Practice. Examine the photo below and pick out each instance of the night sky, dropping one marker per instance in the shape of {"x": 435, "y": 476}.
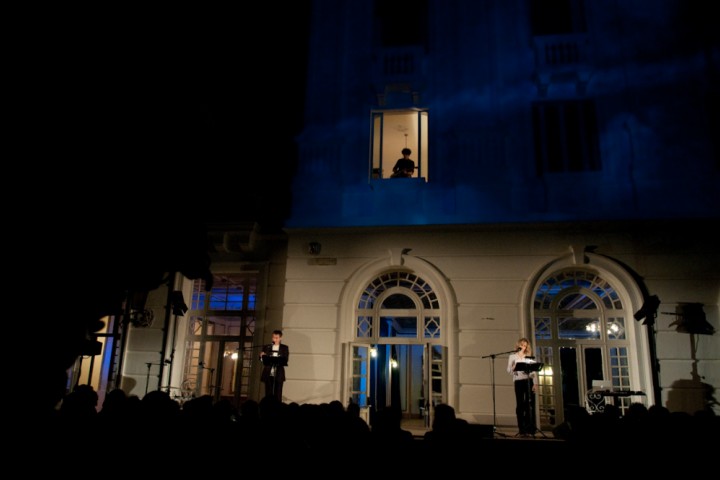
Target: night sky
{"x": 144, "y": 127}
{"x": 148, "y": 106}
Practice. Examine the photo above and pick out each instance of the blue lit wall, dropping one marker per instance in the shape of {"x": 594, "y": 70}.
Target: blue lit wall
{"x": 651, "y": 70}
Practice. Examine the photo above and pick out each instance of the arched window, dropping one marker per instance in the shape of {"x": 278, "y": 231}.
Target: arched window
{"x": 580, "y": 328}
{"x": 398, "y": 304}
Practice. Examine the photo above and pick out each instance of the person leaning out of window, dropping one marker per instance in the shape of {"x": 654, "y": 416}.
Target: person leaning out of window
{"x": 405, "y": 166}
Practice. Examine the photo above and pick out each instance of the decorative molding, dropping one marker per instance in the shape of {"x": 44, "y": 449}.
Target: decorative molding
{"x": 397, "y": 254}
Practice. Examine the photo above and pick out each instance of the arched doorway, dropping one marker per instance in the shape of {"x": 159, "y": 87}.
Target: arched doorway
{"x": 585, "y": 336}
{"x": 398, "y": 356}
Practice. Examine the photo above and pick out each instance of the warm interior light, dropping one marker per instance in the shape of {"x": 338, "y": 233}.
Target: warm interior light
{"x": 231, "y": 354}
{"x": 591, "y": 327}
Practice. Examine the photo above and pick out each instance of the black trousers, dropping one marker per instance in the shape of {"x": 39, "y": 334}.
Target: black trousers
{"x": 273, "y": 388}
{"x": 525, "y": 406}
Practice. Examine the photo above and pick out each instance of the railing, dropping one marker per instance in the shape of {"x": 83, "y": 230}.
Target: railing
{"x": 557, "y": 51}
{"x": 398, "y": 63}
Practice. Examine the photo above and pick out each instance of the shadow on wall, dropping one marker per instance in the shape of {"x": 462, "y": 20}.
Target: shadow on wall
{"x": 691, "y": 396}
{"x": 129, "y": 384}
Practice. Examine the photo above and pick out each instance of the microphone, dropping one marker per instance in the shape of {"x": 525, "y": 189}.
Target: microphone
{"x": 518, "y": 349}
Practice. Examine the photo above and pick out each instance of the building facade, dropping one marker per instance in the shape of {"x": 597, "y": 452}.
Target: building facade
{"x": 564, "y": 190}
{"x": 556, "y": 191}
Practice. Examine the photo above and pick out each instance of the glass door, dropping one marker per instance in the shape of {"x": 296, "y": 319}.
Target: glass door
{"x": 360, "y": 361}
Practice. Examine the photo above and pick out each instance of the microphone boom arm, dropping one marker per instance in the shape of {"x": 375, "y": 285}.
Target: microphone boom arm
{"x": 493, "y": 355}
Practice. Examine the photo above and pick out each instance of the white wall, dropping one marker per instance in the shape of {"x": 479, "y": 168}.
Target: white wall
{"x": 489, "y": 269}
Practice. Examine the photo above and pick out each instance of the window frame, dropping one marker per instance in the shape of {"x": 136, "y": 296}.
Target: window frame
{"x": 410, "y": 132}
{"x": 566, "y": 136}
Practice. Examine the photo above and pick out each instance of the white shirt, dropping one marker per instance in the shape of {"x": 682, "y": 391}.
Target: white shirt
{"x": 515, "y": 358}
{"x": 275, "y": 353}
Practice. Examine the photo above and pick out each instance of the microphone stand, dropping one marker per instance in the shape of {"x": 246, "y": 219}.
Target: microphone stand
{"x": 268, "y": 364}
{"x": 492, "y": 376}
{"x": 210, "y": 384}
{"x": 147, "y": 377}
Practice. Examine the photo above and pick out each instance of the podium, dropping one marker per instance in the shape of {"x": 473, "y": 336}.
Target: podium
{"x": 528, "y": 368}
{"x": 272, "y": 362}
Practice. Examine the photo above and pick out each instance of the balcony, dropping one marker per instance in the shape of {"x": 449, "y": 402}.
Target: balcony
{"x": 562, "y": 58}
{"x": 398, "y": 69}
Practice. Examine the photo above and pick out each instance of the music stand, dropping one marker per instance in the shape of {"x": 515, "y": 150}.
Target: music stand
{"x": 492, "y": 376}
{"x": 274, "y": 362}
{"x": 528, "y": 368}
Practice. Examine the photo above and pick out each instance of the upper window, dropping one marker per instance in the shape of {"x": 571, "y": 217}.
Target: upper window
{"x": 400, "y": 23}
{"x": 229, "y": 292}
{"x": 566, "y": 137}
{"x": 394, "y": 132}
{"x": 227, "y": 309}
{"x": 557, "y": 17}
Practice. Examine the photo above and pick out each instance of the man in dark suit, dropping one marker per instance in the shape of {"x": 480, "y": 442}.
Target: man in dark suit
{"x": 274, "y": 375}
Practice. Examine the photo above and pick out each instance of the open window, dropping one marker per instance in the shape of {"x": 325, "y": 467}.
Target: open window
{"x": 566, "y": 137}
{"x": 393, "y": 131}
{"x": 557, "y": 17}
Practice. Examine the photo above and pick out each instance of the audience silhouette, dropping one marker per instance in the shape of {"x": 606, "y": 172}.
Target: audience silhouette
{"x": 257, "y": 427}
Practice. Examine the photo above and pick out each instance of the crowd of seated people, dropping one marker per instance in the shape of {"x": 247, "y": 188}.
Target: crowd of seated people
{"x": 269, "y": 424}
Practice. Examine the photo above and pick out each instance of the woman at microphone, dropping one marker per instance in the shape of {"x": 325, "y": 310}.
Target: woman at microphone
{"x": 273, "y": 374}
{"x": 525, "y": 387}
